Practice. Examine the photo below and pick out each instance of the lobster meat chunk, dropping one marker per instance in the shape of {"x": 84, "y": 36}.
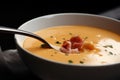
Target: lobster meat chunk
{"x": 73, "y": 45}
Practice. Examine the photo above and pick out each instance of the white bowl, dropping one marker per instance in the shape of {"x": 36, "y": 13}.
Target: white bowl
{"x": 52, "y": 70}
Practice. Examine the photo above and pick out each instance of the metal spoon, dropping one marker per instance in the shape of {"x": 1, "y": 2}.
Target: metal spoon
{"x": 26, "y": 33}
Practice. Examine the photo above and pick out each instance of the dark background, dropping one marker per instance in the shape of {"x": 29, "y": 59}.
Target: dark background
{"x": 13, "y": 14}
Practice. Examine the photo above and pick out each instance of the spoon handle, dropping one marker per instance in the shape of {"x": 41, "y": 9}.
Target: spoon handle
{"x": 21, "y": 32}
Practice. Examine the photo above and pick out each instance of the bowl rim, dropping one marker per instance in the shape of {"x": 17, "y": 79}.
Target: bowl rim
{"x": 59, "y": 14}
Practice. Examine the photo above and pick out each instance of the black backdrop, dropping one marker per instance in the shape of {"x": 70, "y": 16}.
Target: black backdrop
{"x": 15, "y": 13}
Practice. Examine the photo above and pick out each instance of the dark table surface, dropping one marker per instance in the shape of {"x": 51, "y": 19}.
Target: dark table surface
{"x": 15, "y": 14}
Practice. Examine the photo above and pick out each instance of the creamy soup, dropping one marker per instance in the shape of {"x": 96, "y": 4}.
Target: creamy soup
{"x": 106, "y": 45}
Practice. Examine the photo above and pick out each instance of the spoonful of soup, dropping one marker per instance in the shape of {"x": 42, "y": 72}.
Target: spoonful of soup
{"x": 30, "y": 34}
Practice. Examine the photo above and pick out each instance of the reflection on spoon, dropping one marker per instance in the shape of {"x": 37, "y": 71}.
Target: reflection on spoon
{"x": 26, "y": 33}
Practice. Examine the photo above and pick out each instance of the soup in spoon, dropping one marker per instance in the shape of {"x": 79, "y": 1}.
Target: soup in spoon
{"x": 84, "y": 45}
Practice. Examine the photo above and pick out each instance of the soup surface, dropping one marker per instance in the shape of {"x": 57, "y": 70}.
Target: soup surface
{"x": 106, "y": 45}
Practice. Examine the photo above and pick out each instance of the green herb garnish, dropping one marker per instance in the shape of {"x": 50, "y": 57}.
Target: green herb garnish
{"x": 81, "y": 62}
{"x": 106, "y": 46}
{"x": 105, "y": 50}
{"x": 70, "y": 61}
{"x": 63, "y": 38}
{"x": 55, "y": 52}
{"x": 51, "y": 55}
{"x": 70, "y": 33}
{"x": 85, "y": 38}
{"x": 110, "y": 53}
{"x": 57, "y": 42}
{"x": 51, "y": 36}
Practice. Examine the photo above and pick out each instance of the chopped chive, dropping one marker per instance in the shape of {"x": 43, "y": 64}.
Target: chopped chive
{"x": 70, "y": 61}
{"x": 51, "y": 55}
{"x": 110, "y": 53}
{"x": 51, "y": 36}
{"x": 106, "y": 46}
{"x": 81, "y": 62}
{"x": 57, "y": 42}
{"x": 70, "y": 33}
{"x": 63, "y": 38}
{"x": 105, "y": 50}
{"x": 85, "y": 38}
{"x": 55, "y": 52}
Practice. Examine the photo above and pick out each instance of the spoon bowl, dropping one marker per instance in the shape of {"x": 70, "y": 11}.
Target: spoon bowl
{"x": 26, "y": 33}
